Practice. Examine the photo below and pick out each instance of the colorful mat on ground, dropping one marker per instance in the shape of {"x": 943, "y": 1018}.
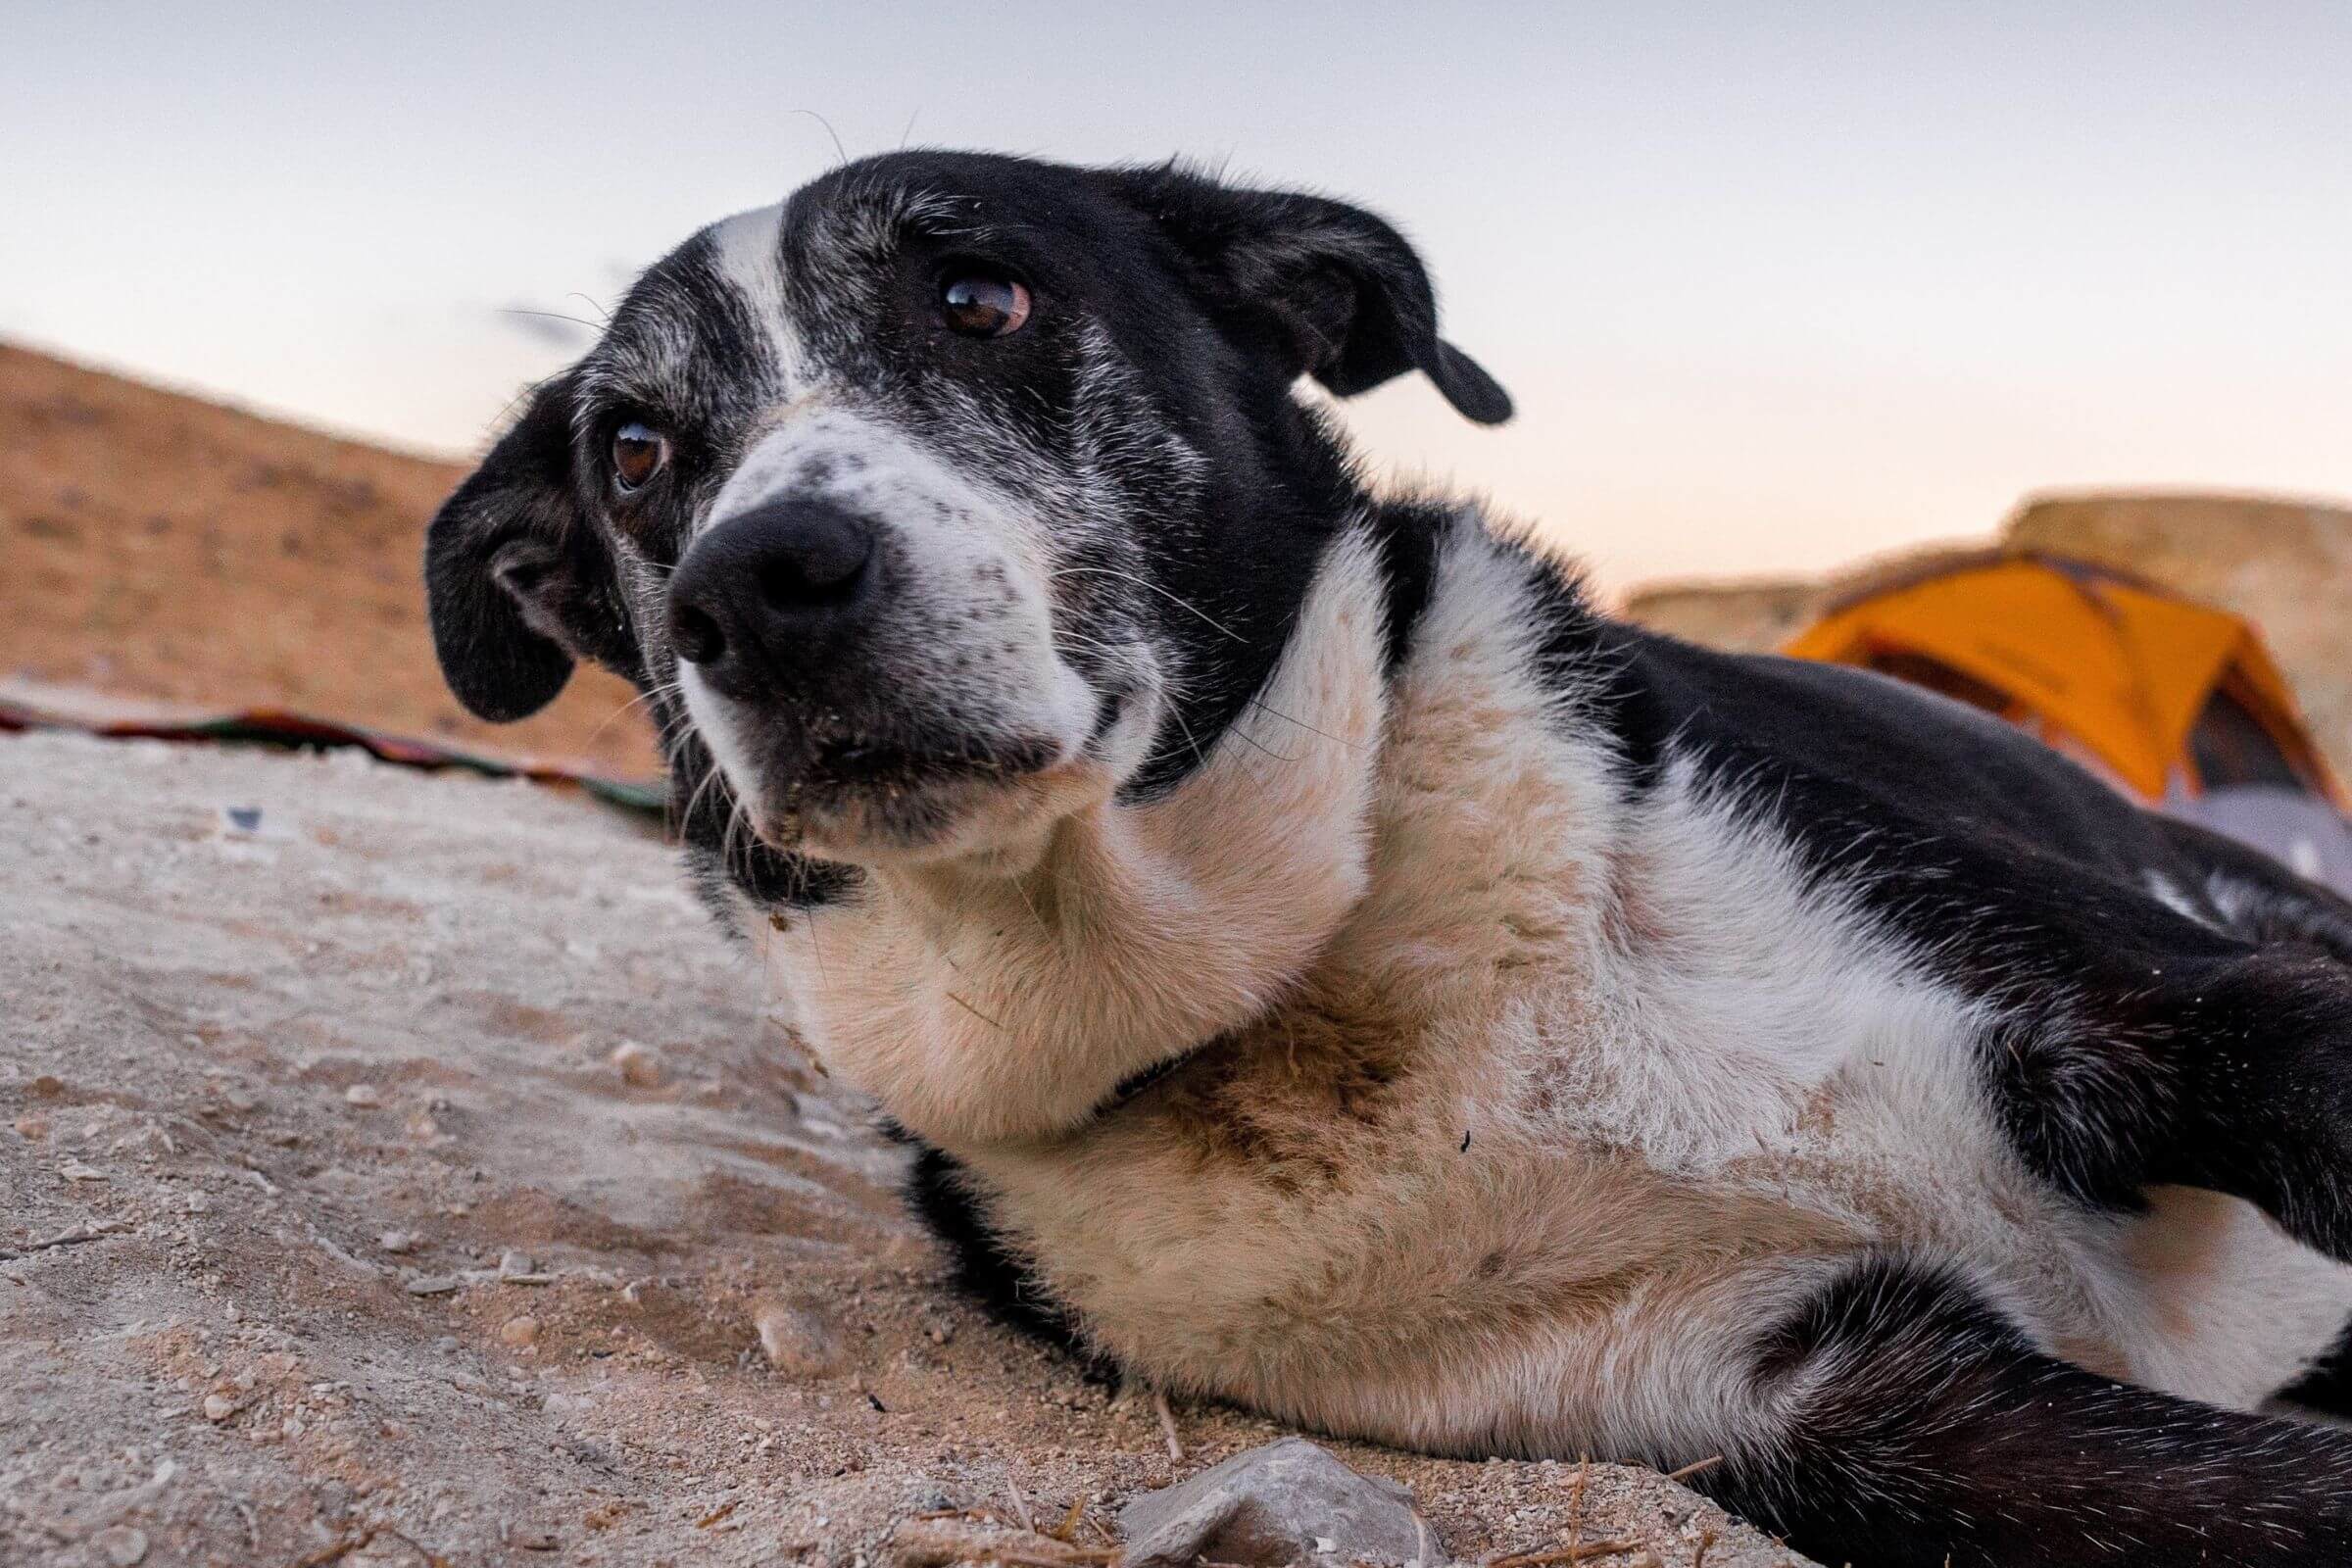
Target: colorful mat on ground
{"x": 278, "y": 726}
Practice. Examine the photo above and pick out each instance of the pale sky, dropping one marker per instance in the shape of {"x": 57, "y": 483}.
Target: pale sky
{"x": 1774, "y": 284}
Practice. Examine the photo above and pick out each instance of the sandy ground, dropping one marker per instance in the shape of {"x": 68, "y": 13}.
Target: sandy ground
{"x": 280, "y": 1094}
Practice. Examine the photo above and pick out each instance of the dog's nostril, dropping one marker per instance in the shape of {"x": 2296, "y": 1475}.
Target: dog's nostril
{"x": 695, "y": 636}
{"x": 821, "y": 563}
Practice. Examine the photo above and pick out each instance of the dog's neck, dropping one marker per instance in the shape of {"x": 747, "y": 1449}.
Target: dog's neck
{"x": 983, "y": 1005}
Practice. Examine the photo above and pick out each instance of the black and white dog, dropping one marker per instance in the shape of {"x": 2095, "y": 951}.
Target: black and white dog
{"x": 1329, "y": 966}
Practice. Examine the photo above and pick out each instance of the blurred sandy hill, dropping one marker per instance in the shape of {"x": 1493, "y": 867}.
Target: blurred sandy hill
{"x": 2284, "y": 564}
{"x": 162, "y": 548}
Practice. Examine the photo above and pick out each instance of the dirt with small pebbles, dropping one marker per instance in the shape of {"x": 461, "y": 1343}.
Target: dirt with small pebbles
{"x": 509, "y": 1308}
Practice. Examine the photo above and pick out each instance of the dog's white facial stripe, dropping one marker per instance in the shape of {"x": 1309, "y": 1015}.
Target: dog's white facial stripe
{"x": 748, "y": 252}
{"x": 720, "y": 296}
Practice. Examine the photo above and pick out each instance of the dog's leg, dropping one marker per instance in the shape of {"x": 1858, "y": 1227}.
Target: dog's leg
{"x": 2268, "y": 1108}
{"x": 2138, "y": 1042}
{"x": 2230, "y": 1072}
{"x": 2327, "y": 1389}
{"x": 1918, "y": 1427}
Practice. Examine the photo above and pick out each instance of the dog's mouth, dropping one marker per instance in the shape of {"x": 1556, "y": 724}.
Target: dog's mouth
{"x": 875, "y": 798}
{"x": 848, "y": 766}
{"x": 865, "y": 798}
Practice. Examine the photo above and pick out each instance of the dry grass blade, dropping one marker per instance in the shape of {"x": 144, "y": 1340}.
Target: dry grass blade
{"x": 1576, "y": 1498}
{"x": 1167, "y": 1425}
{"x": 935, "y": 1543}
{"x": 337, "y": 1550}
{"x": 1690, "y": 1470}
{"x": 342, "y": 1546}
{"x": 1583, "y": 1553}
{"x": 1020, "y": 1504}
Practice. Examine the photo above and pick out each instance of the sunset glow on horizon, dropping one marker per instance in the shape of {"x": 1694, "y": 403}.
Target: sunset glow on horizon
{"x": 1770, "y": 291}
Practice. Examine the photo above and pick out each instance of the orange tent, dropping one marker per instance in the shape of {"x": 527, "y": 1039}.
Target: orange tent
{"x": 2167, "y": 696}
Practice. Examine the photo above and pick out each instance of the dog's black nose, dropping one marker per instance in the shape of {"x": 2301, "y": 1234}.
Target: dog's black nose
{"x": 772, "y": 586}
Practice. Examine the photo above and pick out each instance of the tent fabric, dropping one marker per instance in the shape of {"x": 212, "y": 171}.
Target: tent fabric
{"x": 2298, "y": 831}
{"x": 2080, "y": 654}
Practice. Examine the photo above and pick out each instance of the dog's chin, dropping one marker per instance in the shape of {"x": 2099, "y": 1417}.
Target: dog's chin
{"x": 993, "y": 822}
{"x": 988, "y": 805}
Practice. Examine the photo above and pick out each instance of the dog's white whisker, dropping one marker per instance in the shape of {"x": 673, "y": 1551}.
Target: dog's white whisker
{"x": 652, "y": 694}
{"x": 1148, "y": 586}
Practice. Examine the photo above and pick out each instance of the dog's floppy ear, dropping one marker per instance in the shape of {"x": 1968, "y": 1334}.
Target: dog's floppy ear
{"x": 1333, "y": 288}
{"x": 517, "y": 581}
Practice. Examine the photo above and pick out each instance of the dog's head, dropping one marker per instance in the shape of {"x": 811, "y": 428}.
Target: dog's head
{"x": 952, "y": 486}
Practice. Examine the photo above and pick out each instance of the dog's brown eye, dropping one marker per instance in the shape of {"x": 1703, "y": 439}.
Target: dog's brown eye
{"x": 982, "y": 304}
{"x": 639, "y": 452}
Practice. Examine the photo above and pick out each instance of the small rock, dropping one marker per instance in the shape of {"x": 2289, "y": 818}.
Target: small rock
{"x": 48, "y": 1086}
{"x": 520, "y": 1332}
{"x": 1274, "y": 1505}
{"x": 796, "y": 1340}
{"x": 123, "y": 1545}
{"x": 145, "y": 1142}
{"x": 533, "y": 1540}
{"x": 432, "y": 1284}
{"x": 639, "y": 1068}
{"x": 397, "y": 1243}
{"x": 363, "y": 1096}
{"x": 218, "y": 1407}
{"x": 512, "y": 1262}
{"x": 74, "y": 1171}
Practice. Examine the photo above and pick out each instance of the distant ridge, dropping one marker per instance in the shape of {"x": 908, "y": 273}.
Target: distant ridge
{"x": 158, "y": 546}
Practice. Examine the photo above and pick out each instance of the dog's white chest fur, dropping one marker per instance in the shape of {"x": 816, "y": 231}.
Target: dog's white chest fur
{"x": 1569, "y": 1095}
